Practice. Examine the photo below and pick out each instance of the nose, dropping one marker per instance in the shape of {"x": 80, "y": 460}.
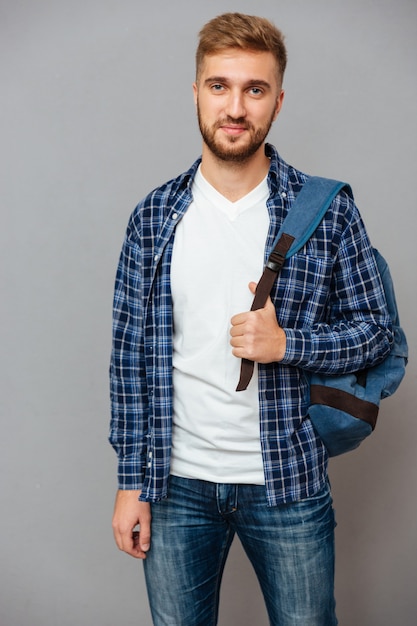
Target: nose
{"x": 235, "y": 106}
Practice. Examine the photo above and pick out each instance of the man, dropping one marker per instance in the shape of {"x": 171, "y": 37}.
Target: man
{"x": 198, "y": 461}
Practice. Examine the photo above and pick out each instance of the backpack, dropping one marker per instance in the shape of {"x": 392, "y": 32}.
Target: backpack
{"x": 343, "y": 408}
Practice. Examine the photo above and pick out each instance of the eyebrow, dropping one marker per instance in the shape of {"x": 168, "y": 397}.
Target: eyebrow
{"x": 250, "y": 83}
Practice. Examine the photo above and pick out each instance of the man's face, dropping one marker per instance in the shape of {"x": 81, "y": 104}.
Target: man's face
{"x": 238, "y": 95}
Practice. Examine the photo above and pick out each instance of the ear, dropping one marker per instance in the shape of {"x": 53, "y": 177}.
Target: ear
{"x": 195, "y": 92}
{"x": 278, "y": 104}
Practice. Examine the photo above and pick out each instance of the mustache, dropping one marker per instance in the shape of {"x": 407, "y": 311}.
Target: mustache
{"x": 237, "y": 121}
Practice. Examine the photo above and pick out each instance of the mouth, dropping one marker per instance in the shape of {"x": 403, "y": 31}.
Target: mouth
{"x": 233, "y": 129}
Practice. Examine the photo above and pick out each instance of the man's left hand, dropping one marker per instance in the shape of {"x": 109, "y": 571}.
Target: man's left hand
{"x": 256, "y": 335}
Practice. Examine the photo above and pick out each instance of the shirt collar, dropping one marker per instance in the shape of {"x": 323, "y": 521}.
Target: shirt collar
{"x": 277, "y": 176}
{"x": 278, "y": 171}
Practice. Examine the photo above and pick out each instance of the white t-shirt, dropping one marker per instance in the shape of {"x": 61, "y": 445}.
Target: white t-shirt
{"x": 218, "y": 249}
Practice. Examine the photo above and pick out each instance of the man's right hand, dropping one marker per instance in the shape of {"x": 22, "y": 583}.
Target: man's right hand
{"x": 128, "y": 513}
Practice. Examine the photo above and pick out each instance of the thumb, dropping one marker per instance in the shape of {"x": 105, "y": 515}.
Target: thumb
{"x": 268, "y": 304}
{"x": 144, "y": 518}
{"x": 145, "y": 535}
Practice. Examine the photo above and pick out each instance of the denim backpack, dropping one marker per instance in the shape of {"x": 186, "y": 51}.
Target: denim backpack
{"x": 343, "y": 408}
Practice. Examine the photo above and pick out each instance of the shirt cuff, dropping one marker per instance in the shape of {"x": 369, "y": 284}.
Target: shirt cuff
{"x": 130, "y": 473}
{"x": 298, "y": 347}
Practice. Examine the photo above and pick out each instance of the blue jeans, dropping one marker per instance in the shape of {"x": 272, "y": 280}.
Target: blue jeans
{"x": 291, "y": 548}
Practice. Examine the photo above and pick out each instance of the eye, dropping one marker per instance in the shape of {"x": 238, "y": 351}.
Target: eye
{"x": 255, "y": 91}
{"x": 216, "y": 87}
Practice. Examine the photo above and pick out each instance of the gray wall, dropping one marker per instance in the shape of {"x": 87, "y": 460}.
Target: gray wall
{"x": 96, "y": 109}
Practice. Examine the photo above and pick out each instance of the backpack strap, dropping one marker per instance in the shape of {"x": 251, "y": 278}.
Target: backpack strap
{"x": 304, "y": 216}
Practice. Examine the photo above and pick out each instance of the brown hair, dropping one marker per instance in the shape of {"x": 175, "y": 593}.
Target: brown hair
{"x": 247, "y": 32}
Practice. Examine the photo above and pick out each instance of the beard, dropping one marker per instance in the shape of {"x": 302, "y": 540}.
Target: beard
{"x": 231, "y": 151}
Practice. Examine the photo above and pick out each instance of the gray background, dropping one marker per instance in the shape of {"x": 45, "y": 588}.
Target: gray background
{"x": 96, "y": 109}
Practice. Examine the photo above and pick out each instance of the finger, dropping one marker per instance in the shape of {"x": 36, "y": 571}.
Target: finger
{"x": 145, "y": 535}
{"x": 238, "y": 319}
{"x": 237, "y": 342}
{"x": 126, "y": 540}
{"x": 137, "y": 548}
{"x": 239, "y": 353}
{"x": 117, "y": 538}
{"x": 269, "y": 305}
{"x": 237, "y": 331}
{"x": 131, "y": 544}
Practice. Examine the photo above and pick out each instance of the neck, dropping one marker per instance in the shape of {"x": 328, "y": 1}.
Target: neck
{"x": 234, "y": 180}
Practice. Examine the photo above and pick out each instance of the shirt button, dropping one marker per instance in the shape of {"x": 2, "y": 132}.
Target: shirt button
{"x": 284, "y": 195}
{"x": 174, "y": 216}
{"x": 156, "y": 257}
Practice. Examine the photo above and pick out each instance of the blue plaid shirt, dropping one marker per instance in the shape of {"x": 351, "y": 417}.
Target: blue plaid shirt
{"x": 328, "y": 298}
